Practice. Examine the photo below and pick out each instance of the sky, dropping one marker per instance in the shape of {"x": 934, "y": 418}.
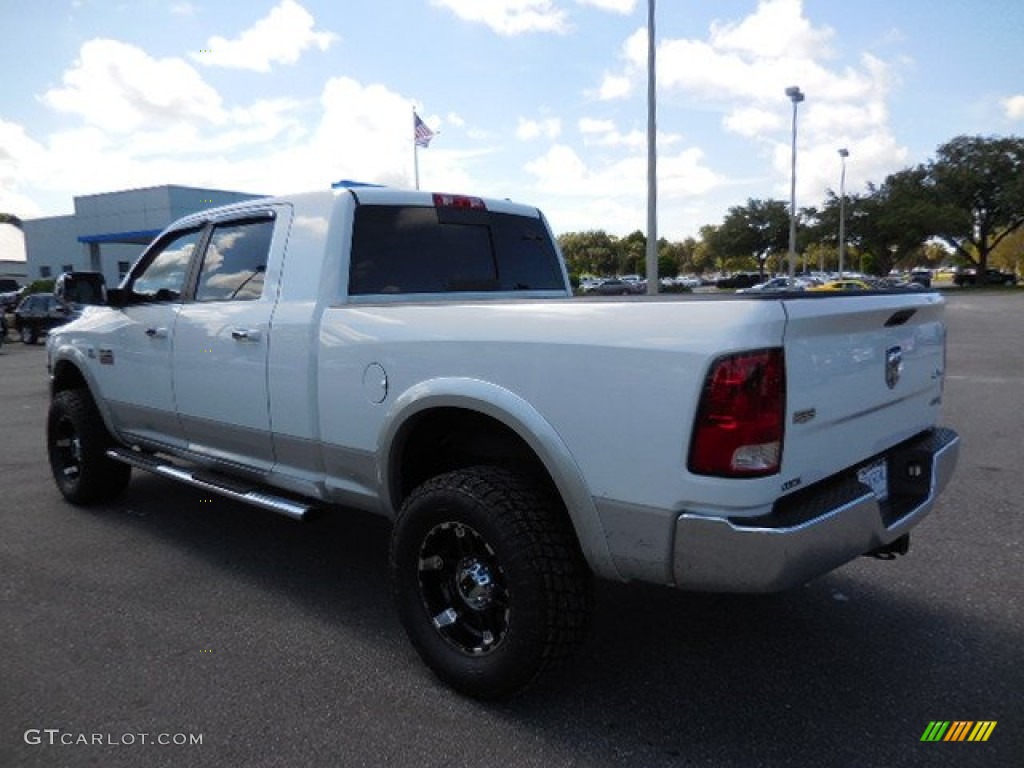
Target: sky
{"x": 540, "y": 101}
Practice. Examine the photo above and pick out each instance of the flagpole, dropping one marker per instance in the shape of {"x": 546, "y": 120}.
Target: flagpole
{"x": 415, "y": 150}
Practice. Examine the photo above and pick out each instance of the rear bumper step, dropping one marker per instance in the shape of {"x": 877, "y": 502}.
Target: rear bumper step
{"x": 230, "y": 487}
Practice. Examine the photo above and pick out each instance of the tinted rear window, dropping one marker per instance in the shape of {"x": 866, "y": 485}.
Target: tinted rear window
{"x": 404, "y": 249}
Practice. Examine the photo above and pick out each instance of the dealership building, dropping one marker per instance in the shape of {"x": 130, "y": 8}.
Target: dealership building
{"x": 108, "y": 232}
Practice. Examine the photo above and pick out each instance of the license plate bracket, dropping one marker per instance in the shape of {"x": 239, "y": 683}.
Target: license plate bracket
{"x": 876, "y": 476}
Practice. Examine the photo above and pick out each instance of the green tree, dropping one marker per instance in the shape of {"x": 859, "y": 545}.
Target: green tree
{"x": 1009, "y": 253}
{"x": 705, "y": 258}
{"x": 633, "y": 253}
{"x": 884, "y": 226}
{"x": 754, "y": 231}
{"x": 976, "y": 185}
{"x": 10, "y": 218}
{"x": 593, "y": 252}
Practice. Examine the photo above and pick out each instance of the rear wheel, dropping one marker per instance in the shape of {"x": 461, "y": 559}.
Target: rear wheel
{"x": 77, "y": 443}
{"x": 489, "y": 581}
{"x": 28, "y": 335}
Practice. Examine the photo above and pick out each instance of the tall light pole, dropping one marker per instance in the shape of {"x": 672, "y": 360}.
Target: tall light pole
{"x": 796, "y": 96}
{"x": 843, "y": 154}
{"x": 652, "y": 158}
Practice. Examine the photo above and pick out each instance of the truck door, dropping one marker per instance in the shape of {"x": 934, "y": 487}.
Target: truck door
{"x": 135, "y": 370}
{"x": 222, "y": 339}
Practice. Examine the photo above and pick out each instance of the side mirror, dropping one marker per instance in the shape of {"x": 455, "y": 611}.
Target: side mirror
{"x": 117, "y": 298}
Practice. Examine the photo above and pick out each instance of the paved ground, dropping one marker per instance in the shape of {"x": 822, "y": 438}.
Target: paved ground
{"x": 276, "y": 642}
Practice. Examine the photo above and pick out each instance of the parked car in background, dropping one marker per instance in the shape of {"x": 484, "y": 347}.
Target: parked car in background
{"x": 843, "y": 286}
{"x": 739, "y": 280}
{"x": 777, "y": 284}
{"x": 991, "y": 277}
{"x": 922, "y": 277}
{"x": 613, "y": 286}
{"x": 10, "y": 294}
{"x": 688, "y": 281}
{"x": 895, "y": 282}
{"x": 38, "y": 313}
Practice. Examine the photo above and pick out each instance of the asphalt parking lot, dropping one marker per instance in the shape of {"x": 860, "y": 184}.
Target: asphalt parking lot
{"x": 173, "y": 615}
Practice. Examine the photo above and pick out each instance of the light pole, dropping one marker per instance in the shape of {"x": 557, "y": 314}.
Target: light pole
{"x": 843, "y": 154}
{"x": 796, "y": 96}
{"x": 652, "y": 158}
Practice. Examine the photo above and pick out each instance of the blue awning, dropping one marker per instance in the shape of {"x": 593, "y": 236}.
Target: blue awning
{"x": 136, "y": 237}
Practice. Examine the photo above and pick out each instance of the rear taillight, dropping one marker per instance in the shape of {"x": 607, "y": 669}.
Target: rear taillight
{"x": 741, "y": 416}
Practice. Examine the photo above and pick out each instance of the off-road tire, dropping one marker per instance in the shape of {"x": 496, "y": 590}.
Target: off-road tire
{"x": 76, "y": 443}
{"x": 502, "y": 539}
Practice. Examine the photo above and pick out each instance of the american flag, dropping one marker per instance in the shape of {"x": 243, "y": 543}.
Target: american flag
{"x": 421, "y": 134}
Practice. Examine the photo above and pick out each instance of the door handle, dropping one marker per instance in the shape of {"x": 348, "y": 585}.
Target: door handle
{"x": 156, "y": 333}
{"x": 245, "y": 334}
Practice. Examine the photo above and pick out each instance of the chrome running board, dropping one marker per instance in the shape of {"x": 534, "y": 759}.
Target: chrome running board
{"x": 232, "y": 488}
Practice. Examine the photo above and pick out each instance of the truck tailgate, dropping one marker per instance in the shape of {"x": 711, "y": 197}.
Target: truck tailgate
{"x": 863, "y": 374}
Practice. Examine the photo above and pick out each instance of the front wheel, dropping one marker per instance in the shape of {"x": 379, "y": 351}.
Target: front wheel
{"x": 28, "y": 335}
{"x": 77, "y": 443}
{"x": 489, "y": 581}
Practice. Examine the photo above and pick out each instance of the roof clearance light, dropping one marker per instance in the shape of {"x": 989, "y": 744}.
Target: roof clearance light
{"x": 459, "y": 201}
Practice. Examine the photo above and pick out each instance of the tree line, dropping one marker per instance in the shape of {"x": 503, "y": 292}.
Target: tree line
{"x": 964, "y": 206}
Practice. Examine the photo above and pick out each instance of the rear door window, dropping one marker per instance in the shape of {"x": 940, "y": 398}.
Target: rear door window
{"x": 235, "y": 261}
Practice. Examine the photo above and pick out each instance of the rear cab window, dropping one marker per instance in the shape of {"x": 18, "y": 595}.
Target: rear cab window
{"x": 441, "y": 249}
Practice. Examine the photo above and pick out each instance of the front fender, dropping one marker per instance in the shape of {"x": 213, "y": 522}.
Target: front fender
{"x": 68, "y": 366}
{"x": 519, "y": 416}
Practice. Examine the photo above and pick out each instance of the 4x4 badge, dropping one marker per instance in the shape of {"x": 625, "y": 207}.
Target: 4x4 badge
{"x": 893, "y": 366}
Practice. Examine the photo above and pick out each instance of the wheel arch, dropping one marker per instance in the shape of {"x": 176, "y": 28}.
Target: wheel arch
{"x": 446, "y": 424}
{"x": 68, "y": 371}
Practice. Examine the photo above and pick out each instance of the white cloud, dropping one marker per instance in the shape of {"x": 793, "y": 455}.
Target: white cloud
{"x": 562, "y": 171}
{"x": 509, "y": 17}
{"x": 604, "y": 133}
{"x": 1014, "y": 107}
{"x": 278, "y": 38}
{"x": 615, "y": 87}
{"x": 753, "y": 121}
{"x": 743, "y": 68}
{"x": 454, "y": 118}
{"x": 183, "y": 9}
{"x": 143, "y": 121}
{"x": 777, "y": 29}
{"x": 589, "y": 125}
{"x": 121, "y": 88}
{"x": 615, "y": 6}
{"x": 549, "y": 128}
{"x": 579, "y": 194}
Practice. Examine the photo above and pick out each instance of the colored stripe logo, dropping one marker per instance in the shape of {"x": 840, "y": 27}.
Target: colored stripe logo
{"x": 958, "y": 730}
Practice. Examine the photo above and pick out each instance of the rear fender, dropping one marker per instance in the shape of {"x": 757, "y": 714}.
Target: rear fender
{"x": 519, "y": 416}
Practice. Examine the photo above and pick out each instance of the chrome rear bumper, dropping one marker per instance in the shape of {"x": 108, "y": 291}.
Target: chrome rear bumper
{"x": 816, "y": 530}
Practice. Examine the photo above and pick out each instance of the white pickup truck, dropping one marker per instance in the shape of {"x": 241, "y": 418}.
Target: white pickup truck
{"x": 421, "y": 356}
